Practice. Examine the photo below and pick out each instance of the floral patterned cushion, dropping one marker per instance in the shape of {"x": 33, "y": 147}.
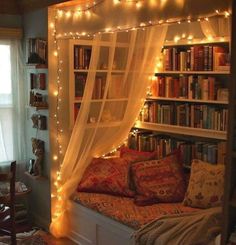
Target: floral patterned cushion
{"x": 136, "y": 156}
{"x": 159, "y": 180}
{"x": 206, "y": 185}
{"x": 107, "y": 176}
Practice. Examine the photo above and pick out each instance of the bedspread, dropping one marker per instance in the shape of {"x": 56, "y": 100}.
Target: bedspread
{"x": 124, "y": 210}
{"x": 197, "y": 228}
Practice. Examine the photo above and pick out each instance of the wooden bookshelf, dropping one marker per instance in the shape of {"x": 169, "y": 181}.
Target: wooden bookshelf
{"x": 180, "y": 130}
{"x": 180, "y": 106}
{"x": 195, "y": 72}
{"x": 112, "y": 54}
{"x": 188, "y": 100}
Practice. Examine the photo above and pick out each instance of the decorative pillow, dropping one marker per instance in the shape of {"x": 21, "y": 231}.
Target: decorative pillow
{"x": 136, "y": 156}
{"x": 206, "y": 185}
{"x": 159, "y": 180}
{"x": 107, "y": 176}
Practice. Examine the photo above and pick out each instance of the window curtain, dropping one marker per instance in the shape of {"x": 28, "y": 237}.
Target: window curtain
{"x": 12, "y": 116}
{"x": 103, "y": 125}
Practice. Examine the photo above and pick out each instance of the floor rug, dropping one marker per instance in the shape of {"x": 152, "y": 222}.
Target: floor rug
{"x": 34, "y": 237}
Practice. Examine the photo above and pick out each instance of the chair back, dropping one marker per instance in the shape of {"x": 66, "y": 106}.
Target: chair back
{"x": 9, "y": 199}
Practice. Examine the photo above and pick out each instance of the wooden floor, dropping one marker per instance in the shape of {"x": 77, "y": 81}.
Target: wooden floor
{"x": 62, "y": 241}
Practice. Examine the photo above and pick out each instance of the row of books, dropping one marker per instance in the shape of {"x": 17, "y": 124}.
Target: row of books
{"x": 82, "y": 55}
{"x": 187, "y": 115}
{"x": 80, "y": 82}
{"x": 117, "y": 89}
{"x": 196, "y": 58}
{"x": 99, "y": 87}
{"x": 189, "y": 87}
{"x": 37, "y": 51}
{"x": 213, "y": 152}
{"x": 38, "y": 81}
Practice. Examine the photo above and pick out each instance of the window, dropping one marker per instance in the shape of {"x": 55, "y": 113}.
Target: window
{"x": 6, "y": 105}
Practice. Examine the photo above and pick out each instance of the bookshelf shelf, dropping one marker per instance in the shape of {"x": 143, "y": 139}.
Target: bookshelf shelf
{"x": 106, "y": 74}
{"x": 37, "y": 108}
{"x": 217, "y": 40}
{"x": 188, "y": 100}
{"x": 100, "y": 100}
{"x": 194, "y": 72}
{"x": 180, "y": 130}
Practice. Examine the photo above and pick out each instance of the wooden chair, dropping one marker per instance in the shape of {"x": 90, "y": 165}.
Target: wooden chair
{"x": 7, "y": 205}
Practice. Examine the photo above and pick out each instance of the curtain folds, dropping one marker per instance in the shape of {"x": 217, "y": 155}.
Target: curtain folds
{"x": 12, "y": 116}
{"x": 216, "y": 27}
{"x": 102, "y": 125}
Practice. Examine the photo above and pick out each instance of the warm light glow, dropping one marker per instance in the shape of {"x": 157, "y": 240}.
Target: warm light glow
{"x": 227, "y": 14}
{"x": 55, "y": 93}
{"x": 209, "y": 38}
{"x": 55, "y": 53}
{"x": 68, "y": 14}
{"x": 176, "y": 39}
{"x": 138, "y": 4}
{"x": 52, "y": 25}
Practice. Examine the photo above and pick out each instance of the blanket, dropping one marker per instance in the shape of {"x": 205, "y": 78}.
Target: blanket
{"x": 198, "y": 228}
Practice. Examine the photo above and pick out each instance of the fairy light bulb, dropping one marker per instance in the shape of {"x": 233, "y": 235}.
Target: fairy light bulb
{"x": 138, "y": 5}
{"x": 55, "y": 157}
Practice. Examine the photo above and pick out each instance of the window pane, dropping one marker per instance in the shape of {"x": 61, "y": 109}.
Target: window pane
{"x": 5, "y": 76}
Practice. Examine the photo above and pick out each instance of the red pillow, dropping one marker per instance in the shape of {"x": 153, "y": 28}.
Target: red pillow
{"x": 136, "y": 156}
{"x": 159, "y": 180}
{"x": 107, "y": 176}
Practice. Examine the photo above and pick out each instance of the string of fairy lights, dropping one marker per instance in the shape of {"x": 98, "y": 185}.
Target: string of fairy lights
{"x": 57, "y": 93}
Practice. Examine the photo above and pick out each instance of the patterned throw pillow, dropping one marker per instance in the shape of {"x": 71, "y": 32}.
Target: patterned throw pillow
{"x": 107, "y": 176}
{"x": 158, "y": 181}
{"x": 136, "y": 156}
{"x": 206, "y": 185}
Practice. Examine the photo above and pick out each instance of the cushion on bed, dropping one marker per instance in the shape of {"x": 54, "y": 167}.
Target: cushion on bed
{"x": 124, "y": 210}
{"x": 159, "y": 180}
{"x": 136, "y": 156}
{"x": 206, "y": 185}
{"x": 107, "y": 176}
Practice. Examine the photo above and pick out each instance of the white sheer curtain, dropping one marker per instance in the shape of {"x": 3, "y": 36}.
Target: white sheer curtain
{"x": 11, "y": 101}
{"x": 216, "y": 27}
{"x": 114, "y": 115}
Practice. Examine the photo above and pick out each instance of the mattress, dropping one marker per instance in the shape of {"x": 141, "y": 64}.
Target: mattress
{"x": 123, "y": 209}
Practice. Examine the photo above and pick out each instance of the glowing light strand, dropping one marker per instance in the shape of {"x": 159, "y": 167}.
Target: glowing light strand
{"x": 142, "y": 25}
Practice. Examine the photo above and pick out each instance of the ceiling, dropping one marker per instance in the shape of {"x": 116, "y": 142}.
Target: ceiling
{"x": 14, "y": 7}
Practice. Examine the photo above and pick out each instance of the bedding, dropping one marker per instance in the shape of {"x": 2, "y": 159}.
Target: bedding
{"x": 196, "y": 228}
{"x": 123, "y": 209}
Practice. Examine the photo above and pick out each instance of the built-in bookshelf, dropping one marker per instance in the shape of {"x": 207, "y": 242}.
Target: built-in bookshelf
{"x": 190, "y": 147}
{"x": 37, "y": 117}
{"x": 187, "y": 103}
{"x": 103, "y": 60}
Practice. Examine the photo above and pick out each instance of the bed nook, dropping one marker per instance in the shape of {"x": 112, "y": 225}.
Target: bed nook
{"x": 142, "y": 156}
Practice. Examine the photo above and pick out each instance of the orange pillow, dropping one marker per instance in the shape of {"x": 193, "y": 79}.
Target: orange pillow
{"x": 159, "y": 181}
{"x": 136, "y": 156}
{"x": 107, "y": 176}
